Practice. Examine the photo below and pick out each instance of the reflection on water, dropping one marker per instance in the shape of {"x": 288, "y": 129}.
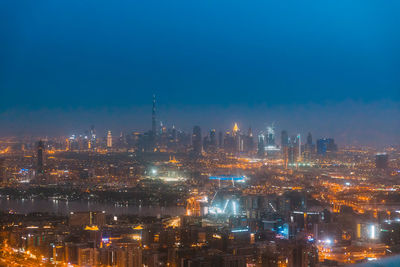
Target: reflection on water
{"x": 64, "y": 207}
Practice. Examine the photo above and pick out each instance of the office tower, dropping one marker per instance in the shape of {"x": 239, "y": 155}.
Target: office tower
{"x": 213, "y": 138}
{"x": 326, "y": 145}
{"x": 331, "y": 146}
{"x": 40, "y": 172}
{"x": 284, "y": 147}
{"x": 321, "y": 146}
{"x": 271, "y": 136}
{"x": 308, "y": 147}
{"x": 197, "y": 140}
{"x": 40, "y": 157}
{"x": 309, "y": 139}
{"x": 230, "y": 144}
{"x": 261, "y": 146}
{"x": 109, "y": 139}
{"x": 237, "y": 140}
{"x": 299, "y": 146}
{"x": 284, "y": 139}
{"x": 292, "y": 149}
{"x": 220, "y": 140}
{"x": 235, "y": 129}
{"x": 248, "y": 141}
{"x": 381, "y": 161}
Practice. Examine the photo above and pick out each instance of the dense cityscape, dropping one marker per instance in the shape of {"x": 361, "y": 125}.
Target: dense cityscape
{"x": 199, "y": 133}
{"x": 166, "y": 197}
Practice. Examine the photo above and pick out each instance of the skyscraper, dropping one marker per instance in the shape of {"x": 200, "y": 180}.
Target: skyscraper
{"x": 196, "y": 140}
{"x": 153, "y": 117}
{"x": 271, "y": 136}
{"x": 40, "y": 155}
{"x": 325, "y": 145}
{"x": 92, "y": 141}
{"x": 284, "y": 139}
{"x": 213, "y": 138}
{"x": 308, "y": 147}
{"x": 285, "y": 147}
{"x": 109, "y": 139}
{"x": 220, "y": 140}
{"x": 381, "y": 161}
{"x": 299, "y": 146}
{"x": 260, "y": 146}
{"x": 40, "y": 173}
{"x": 309, "y": 139}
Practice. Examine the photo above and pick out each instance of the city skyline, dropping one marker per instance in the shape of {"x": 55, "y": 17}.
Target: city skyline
{"x": 347, "y": 130}
{"x": 240, "y": 65}
{"x": 209, "y": 133}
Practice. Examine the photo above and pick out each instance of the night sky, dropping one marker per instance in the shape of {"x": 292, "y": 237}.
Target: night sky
{"x": 329, "y": 67}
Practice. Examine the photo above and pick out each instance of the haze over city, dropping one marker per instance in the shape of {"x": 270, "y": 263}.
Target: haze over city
{"x": 320, "y": 67}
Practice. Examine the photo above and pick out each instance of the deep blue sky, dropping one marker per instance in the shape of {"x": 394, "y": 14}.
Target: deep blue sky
{"x": 330, "y": 67}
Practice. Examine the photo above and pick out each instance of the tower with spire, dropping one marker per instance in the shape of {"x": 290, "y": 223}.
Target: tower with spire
{"x": 153, "y": 116}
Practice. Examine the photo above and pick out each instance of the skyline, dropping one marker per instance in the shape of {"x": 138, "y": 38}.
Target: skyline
{"x": 208, "y": 65}
{"x": 347, "y": 130}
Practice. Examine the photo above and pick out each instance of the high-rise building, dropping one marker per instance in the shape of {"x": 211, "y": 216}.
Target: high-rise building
{"x": 299, "y": 146}
{"x": 220, "y": 140}
{"x": 284, "y": 139}
{"x": 109, "y": 139}
{"x": 308, "y": 147}
{"x": 40, "y": 172}
{"x": 326, "y": 145}
{"x": 261, "y": 146}
{"x": 309, "y": 139}
{"x": 213, "y": 138}
{"x": 92, "y": 141}
{"x": 153, "y": 117}
{"x": 197, "y": 140}
{"x": 381, "y": 161}
{"x": 271, "y": 136}
{"x": 40, "y": 157}
{"x": 285, "y": 147}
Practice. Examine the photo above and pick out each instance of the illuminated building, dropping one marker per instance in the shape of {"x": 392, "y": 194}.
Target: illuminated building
{"x": 271, "y": 136}
{"x": 92, "y": 141}
{"x": 267, "y": 140}
{"x": 109, "y": 139}
{"x": 381, "y": 161}
{"x": 299, "y": 146}
{"x": 88, "y": 219}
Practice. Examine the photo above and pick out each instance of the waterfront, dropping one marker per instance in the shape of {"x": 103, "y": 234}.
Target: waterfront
{"x": 64, "y": 207}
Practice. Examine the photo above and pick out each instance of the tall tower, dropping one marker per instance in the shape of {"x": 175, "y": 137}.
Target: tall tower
{"x": 197, "y": 141}
{"x": 109, "y": 139}
{"x": 309, "y": 139}
{"x": 40, "y": 152}
{"x": 153, "y": 117}
{"x": 299, "y": 144}
{"x": 40, "y": 172}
